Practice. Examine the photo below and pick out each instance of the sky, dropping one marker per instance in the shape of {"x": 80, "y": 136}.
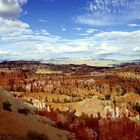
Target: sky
{"x": 54, "y": 29}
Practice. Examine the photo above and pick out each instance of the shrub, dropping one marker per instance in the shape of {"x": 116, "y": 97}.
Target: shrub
{"x": 107, "y": 97}
{"x": 79, "y": 99}
{"x": 123, "y": 92}
{"x": 32, "y": 135}
{"x": 19, "y": 89}
{"x": 67, "y": 100}
{"x": 24, "y": 111}
{"x": 137, "y": 107}
{"x": 7, "y": 106}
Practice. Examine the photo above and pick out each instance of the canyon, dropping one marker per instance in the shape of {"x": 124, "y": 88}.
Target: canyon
{"x": 108, "y": 92}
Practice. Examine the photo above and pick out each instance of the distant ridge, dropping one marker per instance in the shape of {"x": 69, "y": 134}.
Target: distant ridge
{"x": 72, "y": 61}
{"x": 20, "y": 62}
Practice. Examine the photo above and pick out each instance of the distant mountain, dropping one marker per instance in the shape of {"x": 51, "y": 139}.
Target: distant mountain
{"x": 87, "y": 61}
{"x": 133, "y": 62}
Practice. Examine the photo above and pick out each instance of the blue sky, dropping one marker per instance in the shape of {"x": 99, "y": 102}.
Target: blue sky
{"x": 45, "y": 29}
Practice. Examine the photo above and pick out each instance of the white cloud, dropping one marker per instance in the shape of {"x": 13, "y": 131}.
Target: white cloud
{"x": 134, "y": 25}
{"x": 23, "y": 1}
{"x": 84, "y": 19}
{"x": 43, "y": 20}
{"x": 90, "y": 31}
{"x": 63, "y": 29}
{"x": 78, "y": 28}
{"x": 136, "y": 49}
{"x": 44, "y": 45}
{"x": 5, "y": 52}
{"x": 11, "y": 8}
{"x": 106, "y": 12}
{"x": 83, "y": 34}
{"x": 18, "y": 41}
{"x": 11, "y": 28}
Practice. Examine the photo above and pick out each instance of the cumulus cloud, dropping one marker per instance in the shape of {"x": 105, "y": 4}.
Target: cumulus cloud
{"x": 11, "y": 8}
{"x": 106, "y": 12}
{"x": 17, "y": 35}
{"x": 42, "y": 45}
{"x": 11, "y": 28}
